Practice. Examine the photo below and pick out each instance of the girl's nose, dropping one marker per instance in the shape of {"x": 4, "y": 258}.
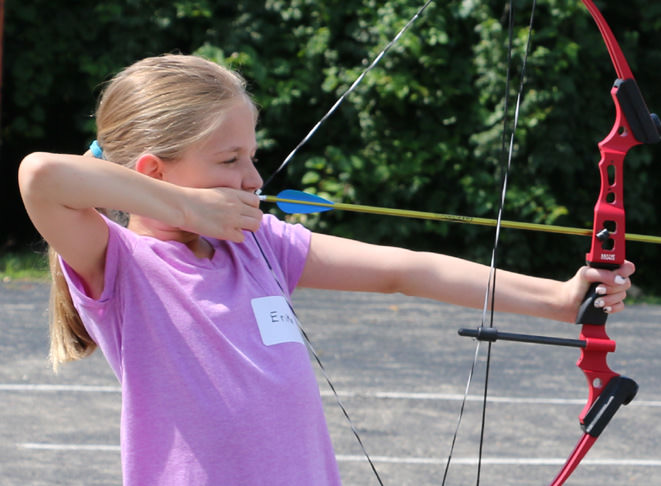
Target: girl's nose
{"x": 252, "y": 180}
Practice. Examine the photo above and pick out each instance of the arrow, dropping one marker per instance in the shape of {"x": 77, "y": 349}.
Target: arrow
{"x": 296, "y": 202}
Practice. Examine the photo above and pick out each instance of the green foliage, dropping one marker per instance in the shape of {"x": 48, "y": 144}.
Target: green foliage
{"x": 23, "y": 265}
{"x": 424, "y": 130}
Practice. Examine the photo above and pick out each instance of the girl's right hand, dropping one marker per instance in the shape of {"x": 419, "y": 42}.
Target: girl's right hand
{"x": 221, "y": 212}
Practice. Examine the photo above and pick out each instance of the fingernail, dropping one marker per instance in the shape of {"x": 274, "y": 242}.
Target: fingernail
{"x": 599, "y": 303}
{"x": 608, "y": 309}
{"x": 619, "y": 279}
{"x": 601, "y": 290}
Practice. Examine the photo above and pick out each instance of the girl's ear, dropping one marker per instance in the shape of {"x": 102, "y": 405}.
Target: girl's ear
{"x": 150, "y": 165}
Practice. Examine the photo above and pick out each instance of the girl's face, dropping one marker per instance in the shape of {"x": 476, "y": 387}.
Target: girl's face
{"x": 225, "y": 159}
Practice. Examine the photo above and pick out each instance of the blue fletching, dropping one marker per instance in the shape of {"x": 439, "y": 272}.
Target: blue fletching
{"x": 302, "y": 207}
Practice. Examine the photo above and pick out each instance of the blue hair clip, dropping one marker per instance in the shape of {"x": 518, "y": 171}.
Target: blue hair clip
{"x": 96, "y": 150}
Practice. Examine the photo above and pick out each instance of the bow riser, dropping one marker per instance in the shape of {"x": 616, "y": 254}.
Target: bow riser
{"x": 608, "y": 242}
{"x": 593, "y": 362}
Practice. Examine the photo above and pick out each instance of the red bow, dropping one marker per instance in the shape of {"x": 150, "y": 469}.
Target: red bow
{"x": 634, "y": 125}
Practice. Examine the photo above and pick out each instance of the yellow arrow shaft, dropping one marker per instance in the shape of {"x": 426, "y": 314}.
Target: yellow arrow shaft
{"x": 452, "y": 218}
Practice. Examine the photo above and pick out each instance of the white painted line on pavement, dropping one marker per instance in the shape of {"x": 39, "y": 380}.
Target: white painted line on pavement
{"x": 507, "y": 461}
{"x": 27, "y": 387}
{"x": 69, "y": 447}
{"x": 475, "y": 398}
{"x": 466, "y": 461}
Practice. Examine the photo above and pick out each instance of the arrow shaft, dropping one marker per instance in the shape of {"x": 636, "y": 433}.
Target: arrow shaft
{"x": 452, "y": 218}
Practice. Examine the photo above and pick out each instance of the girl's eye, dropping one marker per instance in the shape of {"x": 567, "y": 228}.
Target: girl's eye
{"x": 235, "y": 159}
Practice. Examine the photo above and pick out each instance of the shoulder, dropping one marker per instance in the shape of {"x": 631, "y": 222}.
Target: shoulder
{"x": 273, "y": 227}
{"x": 120, "y": 242}
{"x": 285, "y": 246}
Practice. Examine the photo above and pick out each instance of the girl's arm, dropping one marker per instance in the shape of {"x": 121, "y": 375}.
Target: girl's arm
{"x": 61, "y": 191}
{"x": 341, "y": 264}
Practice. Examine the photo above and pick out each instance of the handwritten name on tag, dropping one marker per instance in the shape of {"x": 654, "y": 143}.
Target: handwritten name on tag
{"x": 277, "y": 323}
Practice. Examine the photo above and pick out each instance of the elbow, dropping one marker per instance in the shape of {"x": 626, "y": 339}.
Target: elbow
{"x": 31, "y": 171}
{"x": 35, "y": 175}
{"x": 402, "y": 274}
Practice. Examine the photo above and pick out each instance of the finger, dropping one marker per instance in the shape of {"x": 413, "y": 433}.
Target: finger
{"x": 250, "y": 223}
{"x": 236, "y": 235}
{"x": 249, "y": 199}
{"x": 626, "y": 269}
{"x": 617, "y": 278}
{"x": 601, "y": 304}
{"x": 611, "y": 302}
{"x": 601, "y": 290}
{"x": 621, "y": 285}
{"x": 252, "y": 212}
{"x": 620, "y": 276}
{"x": 250, "y": 218}
{"x": 612, "y": 309}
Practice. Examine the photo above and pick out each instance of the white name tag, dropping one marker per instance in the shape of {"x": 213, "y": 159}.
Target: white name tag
{"x": 276, "y": 321}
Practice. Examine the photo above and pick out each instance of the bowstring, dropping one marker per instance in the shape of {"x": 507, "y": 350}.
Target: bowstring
{"x": 281, "y": 167}
{"x": 322, "y": 368}
{"x": 346, "y": 93}
{"x": 490, "y": 292}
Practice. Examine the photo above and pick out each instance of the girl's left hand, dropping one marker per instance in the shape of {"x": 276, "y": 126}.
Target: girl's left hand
{"x": 612, "y": 288}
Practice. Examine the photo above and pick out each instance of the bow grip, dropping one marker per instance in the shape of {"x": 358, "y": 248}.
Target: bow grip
{"x": 587, "y": 312}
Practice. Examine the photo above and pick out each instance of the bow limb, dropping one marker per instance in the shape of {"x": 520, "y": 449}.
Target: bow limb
{"x": 582, "y": 448}
{"x": 617, "y": 56}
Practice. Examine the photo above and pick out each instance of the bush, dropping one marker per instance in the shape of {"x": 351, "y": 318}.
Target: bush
{"x": 423, "y": 131}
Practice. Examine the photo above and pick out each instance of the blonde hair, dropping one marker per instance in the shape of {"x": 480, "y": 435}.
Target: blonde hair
{"x": 160, "y": 105}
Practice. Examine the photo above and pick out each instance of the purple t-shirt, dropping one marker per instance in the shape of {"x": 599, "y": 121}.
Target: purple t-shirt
{"x": 217, "y": 386}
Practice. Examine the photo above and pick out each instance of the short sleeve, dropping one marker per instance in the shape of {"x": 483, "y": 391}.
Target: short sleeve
{"x": 101, "y": 316}
{"x": 289, "y": 245}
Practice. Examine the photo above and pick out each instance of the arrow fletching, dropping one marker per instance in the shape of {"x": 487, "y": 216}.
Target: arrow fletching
{"x": 291, "y": 201}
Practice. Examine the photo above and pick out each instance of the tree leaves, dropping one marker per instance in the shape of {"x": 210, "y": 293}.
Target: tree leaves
{"x": 424, "y": 129}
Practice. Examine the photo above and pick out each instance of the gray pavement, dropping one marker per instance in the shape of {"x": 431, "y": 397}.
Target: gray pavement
{"x": 399, "y": 368}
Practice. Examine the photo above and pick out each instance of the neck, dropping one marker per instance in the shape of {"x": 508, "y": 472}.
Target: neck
{"x": 155, "y": 229}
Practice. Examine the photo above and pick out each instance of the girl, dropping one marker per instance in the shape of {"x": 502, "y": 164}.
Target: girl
{"x": 190, "y": 302}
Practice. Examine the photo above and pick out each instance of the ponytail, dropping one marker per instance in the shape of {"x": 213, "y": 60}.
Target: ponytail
{"x": 161, "y": 105}
{"x": 69, "y": 341}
